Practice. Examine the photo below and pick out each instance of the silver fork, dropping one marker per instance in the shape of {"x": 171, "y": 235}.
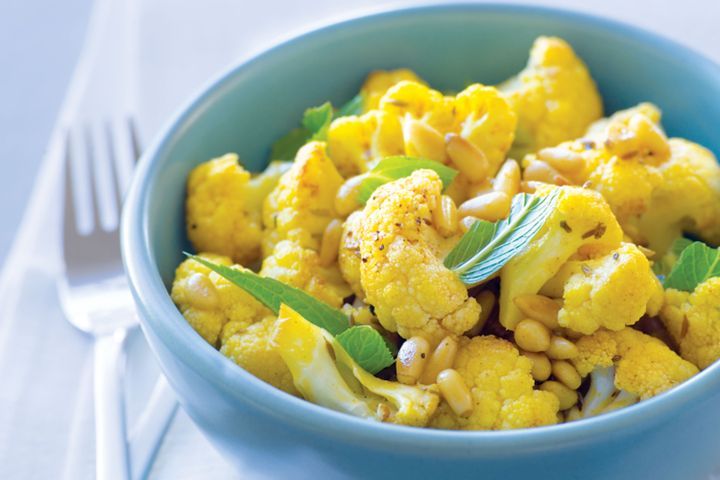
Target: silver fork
{"x": 94, "y": 292}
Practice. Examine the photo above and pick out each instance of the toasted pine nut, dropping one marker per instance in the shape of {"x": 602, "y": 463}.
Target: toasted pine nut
{"x": 567, "y": 396}
{"x": 467, "y": 222}
{"x": 646, "y": 251}
{"x": 562, "y": 159}
{"x": 330, "y": 244}
{"x": 445, "y": 216}
{"x": 346, "y": 197}
{"x": 561, "y": 348}
{"x": 469, "y": 159}
{"x": 542, "y": 172}
{"x": 540, "y": 308}
{"x": 411, "y": 360}
{"x": 507, "y": 179}
{"x": 201, "y": 292}
{"x": 422, "y": 140}
{"x": 486, "y": 299}
{"x": 491, "y": 206}
{"x": 529, "y": 186}
{"x": 532, "y": 336}
{"x": 477, "y": 189}
{"x": 455, "y": 392}
{"x": 541, "y": 368}
{"x": 442, "y": 358}
{"x": 566, "y": 373}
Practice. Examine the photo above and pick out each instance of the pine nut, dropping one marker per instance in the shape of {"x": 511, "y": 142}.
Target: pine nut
{"x": 445, "y": 216}
{"x": 330, "y": 244}
{"x": 566, "y": 373}
{"x": 567, "y": 396}
{"x": 562, "y": 159}
{"x": 467, "y": 222}
{"x": 422, "y": 140}
{"x": 455, "y": 392}
{"x": 411, "y": 360}
{"x": 201, "y": 292}
{"x": 529, "y": 186}
{"x": 540, "y": 171}
{"x": 532, "y": 336}
{"x": 483, "y": 187}
{"x": 540, "y": 308}
{"x": 441, "y": 359}
{"x": 469, "y": 159}
{"x": 541, "y": 368}
{"x": 486, "y": 299}
{"x": 491, "y": 206}
{"x": 346, "y": 198}
{"x": 561, "y": 349}
{"x": 507, "y": 179}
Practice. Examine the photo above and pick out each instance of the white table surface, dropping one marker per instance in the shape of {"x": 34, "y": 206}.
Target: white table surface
{"x": 38, "y": 45}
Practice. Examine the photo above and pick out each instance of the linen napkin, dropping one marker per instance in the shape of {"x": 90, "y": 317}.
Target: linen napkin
{"x": 171, "y": 48}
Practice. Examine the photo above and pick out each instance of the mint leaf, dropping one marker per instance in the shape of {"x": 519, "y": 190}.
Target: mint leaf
{"x": 697, "y": 263}
{"x": 663, "y": 266}
{"x": 317, "y": 121}
{"x": 353, "y": 107}
{"x": 367, "y": 347}
{"x": 487, "y": 247}
{"x": 393, "y": 168}
{"x": 273, "y": 293}
{"x": 287, "y": 146}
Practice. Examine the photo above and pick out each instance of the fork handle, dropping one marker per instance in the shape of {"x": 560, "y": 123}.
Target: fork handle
{"x": 111, "y": 451}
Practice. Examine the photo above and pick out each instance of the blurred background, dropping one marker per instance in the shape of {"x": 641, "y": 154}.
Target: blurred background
{"x": 41, "y": 40}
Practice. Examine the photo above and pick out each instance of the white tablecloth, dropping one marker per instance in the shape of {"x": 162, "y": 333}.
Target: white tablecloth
{"x": 167, "y": 50}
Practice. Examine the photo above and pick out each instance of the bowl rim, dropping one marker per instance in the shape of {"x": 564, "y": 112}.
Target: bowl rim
{"x": 159, "y": 314}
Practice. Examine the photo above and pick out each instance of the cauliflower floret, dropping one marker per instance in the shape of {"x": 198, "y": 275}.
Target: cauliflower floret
{"x": 300, "y": 267}
{"x": 356, "y": 143}
{"x": 626, "y": 366}
{"x": 501, "y": 386}
{"x": 693, "y": 320}
{"x": 349, "y": 253}
{"x": 610, "y": 291}
{"x": 554, "y": 97}
{"x": 401, "y": 269}
{"x": 220, "y": 215}
{"x": 326, "y": 375}
{"x": 209, "y": 302}
{"x": 686, "y": 200}
{"x": 582, "y": 225}
{"x": 302, "y": 204}
{"x": 252, "y": 349}
{"x": 380, "y": 81}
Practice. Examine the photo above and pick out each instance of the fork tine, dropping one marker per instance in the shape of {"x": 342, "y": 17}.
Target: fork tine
{"x": 115, "y": 167}
{"x": 70, "y": 221}
{"x": 135, "y": 139}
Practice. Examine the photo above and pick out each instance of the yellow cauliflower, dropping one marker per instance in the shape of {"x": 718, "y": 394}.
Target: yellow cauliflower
{"x": 582, "y": 226}
{"x": 610, "y": 291}
{"x": 220, "y": 215}
{"x": 401, "y": 269}
{"x": 501, "y": 387}
{"x": 294, "y": 265}
{"x": 686, "y": 200}
{"x": 627, "y": 366}
{"x": 252, "y": 349}
{"x": 302, "y": 203}
{"x": 380, "y": 81}
{"x": 554, "y": 97}
{"x": 349, "y": 253}
{"x": 693, "y": 320}
{"x": 209, "y": 302}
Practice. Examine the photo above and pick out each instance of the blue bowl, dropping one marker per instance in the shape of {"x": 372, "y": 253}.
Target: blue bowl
{"x": 261, "y": 429}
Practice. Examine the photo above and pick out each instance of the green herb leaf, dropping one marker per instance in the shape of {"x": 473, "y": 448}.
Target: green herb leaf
{"x": 317, "y": 120}
{"x": 273, "y": 293}
{"x": 287, "y": 146}
{"x": 367, "y": 347}
{"x": 353, "y": 107}
{"x": 393, "y": 168}
{"x": 697, "y": 263}
{"x": 487, "y": 247}
{"x": 663, "y": 266}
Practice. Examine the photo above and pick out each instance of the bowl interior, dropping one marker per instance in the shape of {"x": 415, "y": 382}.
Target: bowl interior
{"x": 449, "y": 46}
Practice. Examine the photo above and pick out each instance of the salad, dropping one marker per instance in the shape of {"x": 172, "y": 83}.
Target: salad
{"x": 502, "y": 257}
